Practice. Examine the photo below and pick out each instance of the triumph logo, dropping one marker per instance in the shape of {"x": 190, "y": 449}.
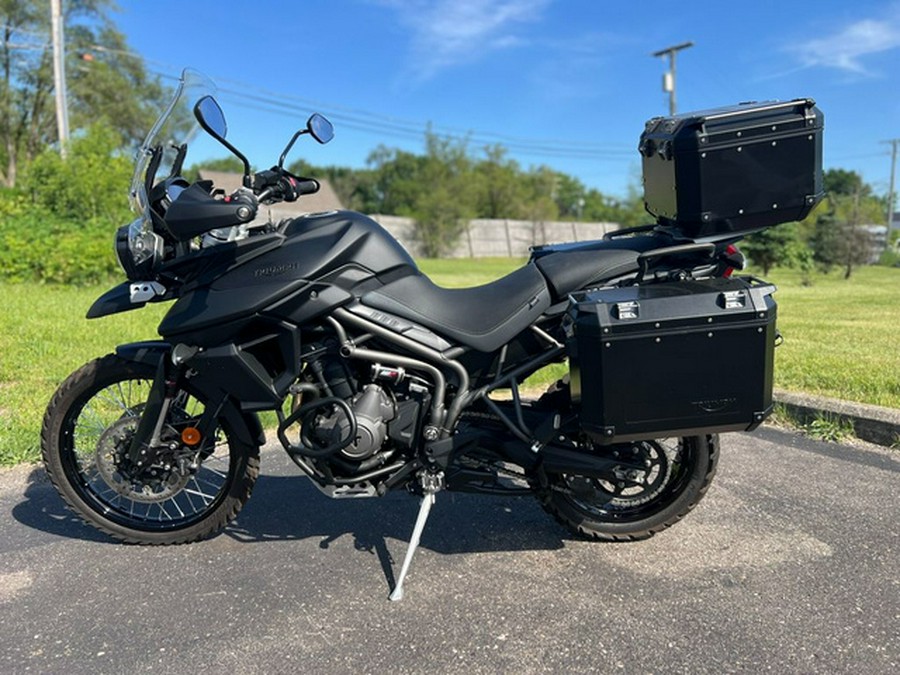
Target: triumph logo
{"x": 714, "y": 405}
{"x": 275, "y": 270}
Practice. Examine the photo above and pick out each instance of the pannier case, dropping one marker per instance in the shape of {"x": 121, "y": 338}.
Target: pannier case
{"x": 735, "y": 169}
{"x": 672, "y": 359}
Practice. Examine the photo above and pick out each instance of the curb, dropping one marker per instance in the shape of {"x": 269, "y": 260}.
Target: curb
{"x": 871, "y": 423}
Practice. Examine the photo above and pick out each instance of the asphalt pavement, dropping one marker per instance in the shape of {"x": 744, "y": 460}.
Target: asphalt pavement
{"x": 790, "y": 564}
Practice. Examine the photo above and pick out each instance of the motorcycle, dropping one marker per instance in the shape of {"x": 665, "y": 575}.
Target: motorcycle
{"x": 381, "y": 380}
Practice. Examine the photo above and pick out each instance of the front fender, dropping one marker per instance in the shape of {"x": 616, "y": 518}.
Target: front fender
{"x": 127, "y": 296}
{"x": 116, "y": 299}
{"x": 246, "y": 425}
{"x": 148, "y": 352}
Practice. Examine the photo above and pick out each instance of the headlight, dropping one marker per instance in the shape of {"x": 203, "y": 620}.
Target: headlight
{"x": 138, "y": 249}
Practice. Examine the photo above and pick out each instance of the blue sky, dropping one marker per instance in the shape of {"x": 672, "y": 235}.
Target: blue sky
{"x": 566, "y": 83}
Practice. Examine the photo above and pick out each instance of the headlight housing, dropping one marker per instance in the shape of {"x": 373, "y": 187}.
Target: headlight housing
{"x": 138, "y": 249}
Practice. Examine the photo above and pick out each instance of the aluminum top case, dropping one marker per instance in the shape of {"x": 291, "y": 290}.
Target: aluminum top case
{"x": 672, "y": 359}
{"x": 735, "y": 169}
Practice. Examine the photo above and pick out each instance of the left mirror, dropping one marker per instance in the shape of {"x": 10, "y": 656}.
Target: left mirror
{"x": 211, "y": 118}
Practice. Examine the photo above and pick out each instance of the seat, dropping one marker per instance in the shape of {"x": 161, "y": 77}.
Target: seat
{"x": 484, "y": 317}
{"x": 568, "y": 271}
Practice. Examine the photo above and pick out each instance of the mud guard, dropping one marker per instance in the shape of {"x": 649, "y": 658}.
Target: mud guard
{"x": 116, "y": 299}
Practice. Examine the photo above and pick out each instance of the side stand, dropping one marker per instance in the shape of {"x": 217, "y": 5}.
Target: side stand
{"x": 431, "y": 485}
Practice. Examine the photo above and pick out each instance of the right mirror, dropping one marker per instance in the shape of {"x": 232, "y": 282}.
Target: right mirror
{"x": 320, "y": 128}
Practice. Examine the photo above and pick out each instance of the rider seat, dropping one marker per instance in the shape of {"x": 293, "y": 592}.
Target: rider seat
{"x": 487, "y": 317}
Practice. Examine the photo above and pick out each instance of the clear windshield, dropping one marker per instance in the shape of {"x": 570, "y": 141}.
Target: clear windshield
{"x": 174, "y": 128}
{"x": 158, "y": 154}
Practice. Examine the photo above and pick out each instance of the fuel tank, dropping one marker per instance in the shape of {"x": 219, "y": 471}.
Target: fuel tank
{"x": 311, "y": 265}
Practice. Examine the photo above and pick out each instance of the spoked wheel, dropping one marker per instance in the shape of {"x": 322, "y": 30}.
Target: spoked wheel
{"x": 659, "y": 482}
{"x": 191, "y": 489}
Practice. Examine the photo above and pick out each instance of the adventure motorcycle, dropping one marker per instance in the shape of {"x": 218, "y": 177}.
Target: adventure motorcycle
{"x": 382, "y": 380}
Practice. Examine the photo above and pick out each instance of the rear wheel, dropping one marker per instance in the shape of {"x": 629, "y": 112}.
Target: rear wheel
{"x": 192, "y": 488}
{"x": 674, "y": 476}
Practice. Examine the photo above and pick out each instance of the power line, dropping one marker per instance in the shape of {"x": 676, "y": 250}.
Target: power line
{"x": 388, "y": 126}
{"x": 867, "y": 155}
{"x": 415, "y": 130}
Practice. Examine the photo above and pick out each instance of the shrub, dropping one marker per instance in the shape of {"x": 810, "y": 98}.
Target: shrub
{"x": 39, "y": 246}
{"x": 58, "y": 226}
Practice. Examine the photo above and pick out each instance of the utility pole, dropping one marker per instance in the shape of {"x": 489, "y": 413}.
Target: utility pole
{"x": 890, "y": 209}
{"x": 669, "y": 76}
{"x": 59, "y": 74}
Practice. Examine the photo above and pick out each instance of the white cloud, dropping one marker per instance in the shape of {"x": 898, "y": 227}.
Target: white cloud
{"x": 847, "y": 48}
{"x": 448, "y": 33}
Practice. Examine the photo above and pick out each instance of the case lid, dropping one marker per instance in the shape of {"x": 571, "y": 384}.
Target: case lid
{"x": 634, "y": 309}
{"x": 741, "y": 123}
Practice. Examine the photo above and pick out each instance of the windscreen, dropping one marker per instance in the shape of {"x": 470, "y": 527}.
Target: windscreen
{"x": 158, "y": 155}
{"x": 174, "y": 128}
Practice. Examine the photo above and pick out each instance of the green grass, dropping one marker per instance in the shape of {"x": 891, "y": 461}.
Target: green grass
{"x": 462, "y": 273}
{"x": 842, "y": 339}
{"x": 43, "y": 337}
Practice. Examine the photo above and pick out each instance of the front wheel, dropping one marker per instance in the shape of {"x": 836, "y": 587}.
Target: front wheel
{"x": 192, "y": 489}
{"x": 675, "y": 476}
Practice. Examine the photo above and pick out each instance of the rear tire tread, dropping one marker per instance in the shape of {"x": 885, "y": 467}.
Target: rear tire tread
{"x": 550, "y": 501}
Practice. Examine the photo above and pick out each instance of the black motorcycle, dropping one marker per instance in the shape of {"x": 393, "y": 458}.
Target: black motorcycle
{"x": 382, "y": 380}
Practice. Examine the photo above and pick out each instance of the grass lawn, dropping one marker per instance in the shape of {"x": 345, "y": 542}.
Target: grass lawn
{"x": 842, "y": 339}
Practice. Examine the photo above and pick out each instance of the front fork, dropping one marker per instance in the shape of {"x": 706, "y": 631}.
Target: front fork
{"x": 147, "y": 438}
{"x": 148, "y": 442}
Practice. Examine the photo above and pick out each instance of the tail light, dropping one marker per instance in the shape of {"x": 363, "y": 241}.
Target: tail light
{"x": 733, "y": 260}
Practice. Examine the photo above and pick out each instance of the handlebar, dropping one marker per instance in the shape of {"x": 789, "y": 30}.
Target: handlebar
{"x": 278, "y": 185}
{"x": 197, "y": 209}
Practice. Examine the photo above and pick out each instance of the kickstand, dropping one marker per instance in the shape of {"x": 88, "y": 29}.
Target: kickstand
{"x": 431, "y": 485}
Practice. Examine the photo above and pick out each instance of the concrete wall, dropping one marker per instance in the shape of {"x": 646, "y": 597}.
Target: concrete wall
{"x": 498, "y": 238}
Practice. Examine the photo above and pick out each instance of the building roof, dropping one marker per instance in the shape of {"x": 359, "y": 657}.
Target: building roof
{"x": 325, "y": 199}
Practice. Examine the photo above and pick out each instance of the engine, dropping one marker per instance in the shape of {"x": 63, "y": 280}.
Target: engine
{"x": 372, "y": 409}
{"x": 355, "y": 419}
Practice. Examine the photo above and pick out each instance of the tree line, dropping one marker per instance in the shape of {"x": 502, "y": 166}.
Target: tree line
{"x": 448, "y": 184}
{"x": 831, "y": 237}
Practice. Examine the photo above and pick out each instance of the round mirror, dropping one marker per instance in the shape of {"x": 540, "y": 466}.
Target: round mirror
{"x": 320, "y": 128}
{"x": 211, "y": 117}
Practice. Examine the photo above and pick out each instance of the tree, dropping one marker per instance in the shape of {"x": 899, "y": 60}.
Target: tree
{"x": 541, "y": 186}
{"x": 115, "y": 88}
{"x": 398, "y": 179}
{"x": 500, "y": 190}
{"x": 442, "y": 208}
{"x": 837, "y": 237}
{"x": 626, "y": 212}
{"x": 569, "y": 194}
{"x": 90, "y": 183}
{"x": 354, "y": 187}
{"x": 112, "y": 85}
{"x": 781, "y": 245}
